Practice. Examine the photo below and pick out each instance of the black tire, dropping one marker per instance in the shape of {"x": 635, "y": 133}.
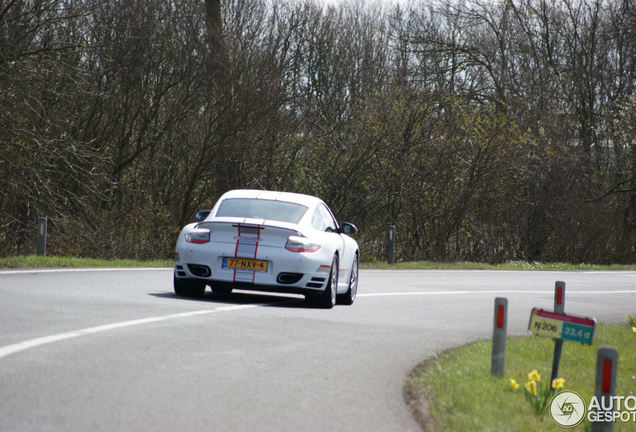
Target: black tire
{"x": 327, "y": 299}
{"x": 221, "y": 291}
{"x": 350, "y": 296}
{"x": 188, "y": 287}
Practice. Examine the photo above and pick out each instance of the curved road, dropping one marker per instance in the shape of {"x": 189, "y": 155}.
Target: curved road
{"x": 115, "y": 350}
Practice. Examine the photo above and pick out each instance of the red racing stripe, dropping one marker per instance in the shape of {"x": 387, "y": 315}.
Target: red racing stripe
{"x": 238, "y": 237}
{"x": 258, "y": 240}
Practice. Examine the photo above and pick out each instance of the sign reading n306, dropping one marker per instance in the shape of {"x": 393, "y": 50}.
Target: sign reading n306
{"x": 562, "y": 326}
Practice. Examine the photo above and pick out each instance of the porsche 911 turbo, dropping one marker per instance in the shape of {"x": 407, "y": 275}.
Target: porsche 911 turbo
{"x": 268, "y": 241}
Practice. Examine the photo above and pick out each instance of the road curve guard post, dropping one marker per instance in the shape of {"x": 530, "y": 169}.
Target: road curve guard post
{"x": 559, "y": 307}
{"x": 500, "y": 326}
{"x": 42, "y": 227}
{"x": 390, "y": 245}
{"x": 605, "y": 389}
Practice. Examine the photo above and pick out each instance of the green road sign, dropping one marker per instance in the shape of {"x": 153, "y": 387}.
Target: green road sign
{"x": 561, "y": 326}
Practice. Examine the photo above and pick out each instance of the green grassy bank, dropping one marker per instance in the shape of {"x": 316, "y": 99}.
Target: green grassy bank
{"x": 509, "y": 265}
{"x": 455, "y": 391}
{"x": 34, "y": 261}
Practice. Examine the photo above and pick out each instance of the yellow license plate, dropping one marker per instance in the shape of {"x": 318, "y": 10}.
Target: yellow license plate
{"x": 245, "y": 264}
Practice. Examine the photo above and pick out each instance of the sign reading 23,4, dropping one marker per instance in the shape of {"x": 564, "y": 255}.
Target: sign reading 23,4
{"x": 561, "y": 326}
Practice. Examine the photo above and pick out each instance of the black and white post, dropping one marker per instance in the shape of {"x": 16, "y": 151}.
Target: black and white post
{"x": 500, "y": 326}
{"x": 559, "y": 307}
{"x": 42, "y": 227}
{"x": 605, "y": 386}
{"x": 390, "y": 245}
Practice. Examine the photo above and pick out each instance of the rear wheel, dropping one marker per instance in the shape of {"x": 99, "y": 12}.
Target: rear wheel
{"x": 350, "y": 296}
{"x": 327, "y": 299}
{"x": 188, "y": 287}
{"x": 221, "y": 291}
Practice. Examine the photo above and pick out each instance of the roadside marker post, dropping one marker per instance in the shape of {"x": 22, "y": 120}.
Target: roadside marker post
{"x": 390, "y": 252}
{"x": 559, "y": 326}
{"x": 500, "y": 327}
{"x": 605, "y": 385}
{"x": 559, "y": 307}
{"x": 42, "y": 227}
{"x": 559, "y": 297}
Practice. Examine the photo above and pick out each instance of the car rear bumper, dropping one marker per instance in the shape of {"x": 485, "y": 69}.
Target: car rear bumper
{"x": 284, "y": 276}
{"x": 307, "y": 284}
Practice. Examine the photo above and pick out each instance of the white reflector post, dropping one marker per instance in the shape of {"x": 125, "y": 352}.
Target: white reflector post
{"x": 500, "y": 325}
{"x": 605, "y": 388}
{"x": 559, "y": 307}
{"x": 42, "y": 227}
{"x": 390, "y": 245}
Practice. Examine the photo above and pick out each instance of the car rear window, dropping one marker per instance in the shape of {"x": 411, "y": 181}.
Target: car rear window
{"x": 261, "y": 209}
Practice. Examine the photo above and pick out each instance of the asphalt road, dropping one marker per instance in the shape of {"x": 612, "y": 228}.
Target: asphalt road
{"x": 115, "y": 350}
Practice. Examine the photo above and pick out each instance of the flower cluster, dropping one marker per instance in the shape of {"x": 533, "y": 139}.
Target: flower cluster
{"x": 514, "y": 385}
{"x": 535, "y": 392}
{"x": 557, "y": 383}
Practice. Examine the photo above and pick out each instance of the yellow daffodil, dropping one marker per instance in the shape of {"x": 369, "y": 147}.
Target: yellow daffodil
{"x": 531, "y": 387}
{"x": 514, "y": 385}
{"x": 634, "y": 329}
{"x": 557, "y": 383}
{"x": 534, "y": 375}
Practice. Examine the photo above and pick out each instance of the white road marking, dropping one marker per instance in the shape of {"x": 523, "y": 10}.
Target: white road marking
{"x": 424, "y": 293}
{"x": 33, "y": 343}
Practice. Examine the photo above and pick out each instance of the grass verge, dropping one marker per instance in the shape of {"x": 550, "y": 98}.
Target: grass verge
{"x": 454, "y": 392}
{"x": 35, "y": 261}
{"x": 509, "y": 265}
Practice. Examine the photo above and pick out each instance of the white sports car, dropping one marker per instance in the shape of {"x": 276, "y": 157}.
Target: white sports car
{"x": 268, "y": 241}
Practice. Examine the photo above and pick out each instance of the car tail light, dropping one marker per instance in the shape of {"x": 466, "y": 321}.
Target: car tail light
{"x": 198, "y": 236}
{"x": 299, "y": 244}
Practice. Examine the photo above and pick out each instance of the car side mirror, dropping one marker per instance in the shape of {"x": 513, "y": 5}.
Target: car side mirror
{"x": 200, "y": 216}
{"x": 348, "y": 228}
